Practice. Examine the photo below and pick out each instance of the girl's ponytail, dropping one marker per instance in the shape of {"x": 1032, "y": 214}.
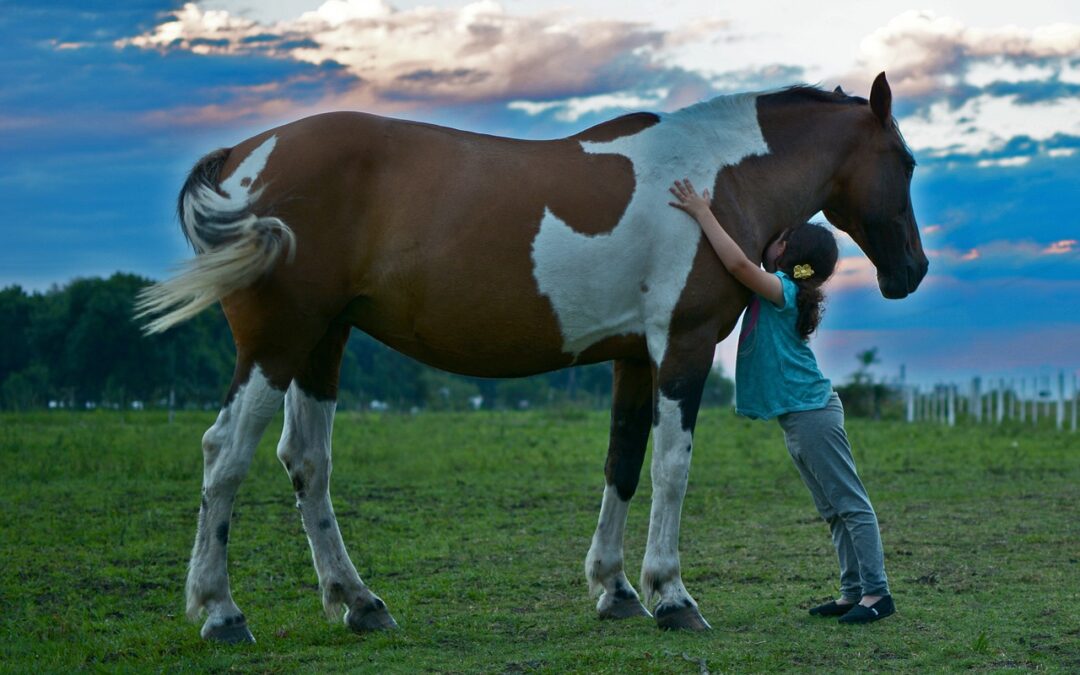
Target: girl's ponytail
{"x": 812, "y": 248}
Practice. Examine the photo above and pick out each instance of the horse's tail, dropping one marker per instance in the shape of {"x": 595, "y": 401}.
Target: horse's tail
{"x": 233, "y": 246}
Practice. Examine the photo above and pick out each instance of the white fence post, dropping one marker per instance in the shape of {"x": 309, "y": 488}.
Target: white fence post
{"x": 1075, "y": 396}
{"x": 1061, "y": 401}
{"x": 952, "y": 405}
{"x": 1035, "y": 402}
{"x": 1023, "y": 399}
{"x": 976, "y": 399}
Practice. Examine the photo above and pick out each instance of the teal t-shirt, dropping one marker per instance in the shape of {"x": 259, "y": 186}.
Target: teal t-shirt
{"x": 775, "y": 371}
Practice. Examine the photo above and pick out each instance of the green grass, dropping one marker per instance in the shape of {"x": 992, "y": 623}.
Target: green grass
{"x": 474, "y": 528}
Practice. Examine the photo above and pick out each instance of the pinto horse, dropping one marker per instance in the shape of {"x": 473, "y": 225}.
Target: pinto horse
{"x": 499, "y": 257}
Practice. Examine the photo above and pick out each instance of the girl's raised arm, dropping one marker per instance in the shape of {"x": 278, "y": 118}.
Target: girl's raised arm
{"x": 749, "y": 274}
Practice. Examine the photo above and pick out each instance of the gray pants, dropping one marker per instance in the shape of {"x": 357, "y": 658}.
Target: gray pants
{"x": 819, "y": 446}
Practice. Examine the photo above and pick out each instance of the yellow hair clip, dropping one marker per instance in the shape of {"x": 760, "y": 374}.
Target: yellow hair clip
{"x": 803, "y": 271}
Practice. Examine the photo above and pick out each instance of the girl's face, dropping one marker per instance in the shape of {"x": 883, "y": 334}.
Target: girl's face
{"x": 774, "y": 251}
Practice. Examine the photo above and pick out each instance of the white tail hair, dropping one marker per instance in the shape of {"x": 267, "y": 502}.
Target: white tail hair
{"x": 234, "y": 248}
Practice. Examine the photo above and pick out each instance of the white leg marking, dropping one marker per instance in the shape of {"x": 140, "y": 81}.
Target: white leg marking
{"x": 304, "y": 450}
{"x": 227, "y": 449}
{"x": 604, "y": 564}
{"x": 670, "y": 471}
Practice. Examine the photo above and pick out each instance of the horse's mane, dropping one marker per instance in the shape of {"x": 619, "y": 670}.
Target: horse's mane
{"x": 793, "y": 94}
{"x": 799, "y": 92}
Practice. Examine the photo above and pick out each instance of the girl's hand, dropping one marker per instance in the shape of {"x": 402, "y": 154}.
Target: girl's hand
{"x": 689, "y": 200}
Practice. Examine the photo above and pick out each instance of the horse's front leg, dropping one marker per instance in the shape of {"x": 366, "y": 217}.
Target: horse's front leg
{"x": 631, "y": 413}
{"x": 680, "y": 380}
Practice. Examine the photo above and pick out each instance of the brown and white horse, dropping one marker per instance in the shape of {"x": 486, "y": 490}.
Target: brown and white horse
{"x": 499, "y": 257}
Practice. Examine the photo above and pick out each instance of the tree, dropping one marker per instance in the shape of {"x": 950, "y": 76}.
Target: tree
{"x": 866, "y": 359}
{"x": 863, "y": 397}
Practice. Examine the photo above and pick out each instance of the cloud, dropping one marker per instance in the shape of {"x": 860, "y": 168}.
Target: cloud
{"x": 853, "y": 272}
{"x": 478, "y": 52}
{"x": 986, "y": 124}
{"x": 1060, "y": 247}
{"x": 926, "y": 53}
{"x": 1003, "y": 161}
{"x": 573, "y": 109}
{"x": 969, "y": 91}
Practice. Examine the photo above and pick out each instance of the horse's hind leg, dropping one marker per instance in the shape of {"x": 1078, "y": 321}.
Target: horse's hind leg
{"x": 304, "y": 450}
{"x": 631, "y": 414}
{"x": 227, "y": 449}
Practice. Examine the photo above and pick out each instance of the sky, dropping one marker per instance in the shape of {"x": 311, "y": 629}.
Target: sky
{"x": 105, "y": 106}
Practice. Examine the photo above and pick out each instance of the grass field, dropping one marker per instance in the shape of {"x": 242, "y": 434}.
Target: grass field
{"x": 474, "y": 528}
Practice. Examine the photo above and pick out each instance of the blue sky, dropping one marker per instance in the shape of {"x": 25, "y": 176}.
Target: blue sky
{"x": 106, "y": 105}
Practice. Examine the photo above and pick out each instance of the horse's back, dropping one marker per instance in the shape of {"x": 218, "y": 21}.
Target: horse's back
{"x": 423, "y": 235}
{"x": 427, "y": 237}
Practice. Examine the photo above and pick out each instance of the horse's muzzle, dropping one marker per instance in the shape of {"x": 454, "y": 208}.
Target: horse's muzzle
{"x": 904, "y": 282}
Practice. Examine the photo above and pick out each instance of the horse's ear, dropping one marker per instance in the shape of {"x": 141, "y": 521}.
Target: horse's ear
{"x": 881, "y": 99}
{"x": 838, "y": 90}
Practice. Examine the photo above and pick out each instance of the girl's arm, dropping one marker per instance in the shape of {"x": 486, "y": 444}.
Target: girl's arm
{"x": 750, "y": 275}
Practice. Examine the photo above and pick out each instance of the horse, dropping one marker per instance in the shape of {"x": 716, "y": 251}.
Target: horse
{"x": 500, "y": 257}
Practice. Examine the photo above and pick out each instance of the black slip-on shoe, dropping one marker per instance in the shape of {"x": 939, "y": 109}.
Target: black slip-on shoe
{"x": 832, "y": 608}
{"x": 875, "y": 612}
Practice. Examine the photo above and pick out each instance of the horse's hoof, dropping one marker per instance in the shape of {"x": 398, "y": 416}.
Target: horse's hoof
{"x": 370, "y": 618}
{"x": 232, "y": 630}
{"x": 624, "y": 608}
{"x": 681, "y": 618}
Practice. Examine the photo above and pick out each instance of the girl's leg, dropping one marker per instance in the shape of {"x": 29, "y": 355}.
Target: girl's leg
{"x": 850, "y": 581}
{"x": 827, "y": 454}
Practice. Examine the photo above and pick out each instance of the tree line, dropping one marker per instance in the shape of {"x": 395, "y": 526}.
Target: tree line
{"x": 78, "y": 345}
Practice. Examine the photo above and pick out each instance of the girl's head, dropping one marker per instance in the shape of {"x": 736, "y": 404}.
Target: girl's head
{"x": 812, "y": 248}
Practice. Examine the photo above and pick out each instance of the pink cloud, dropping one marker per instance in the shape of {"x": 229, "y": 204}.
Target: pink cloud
{"x": 1059, "y": 247}
{"x": 853, "y": 272}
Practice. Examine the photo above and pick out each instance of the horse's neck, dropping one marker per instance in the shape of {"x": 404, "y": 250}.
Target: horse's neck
{"x": 792, "y": 182}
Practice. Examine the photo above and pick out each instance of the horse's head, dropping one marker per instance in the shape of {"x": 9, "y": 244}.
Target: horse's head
{"x": 871, "y": 200}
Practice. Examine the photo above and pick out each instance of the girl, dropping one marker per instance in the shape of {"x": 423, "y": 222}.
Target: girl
{"x": 776, "y": 375}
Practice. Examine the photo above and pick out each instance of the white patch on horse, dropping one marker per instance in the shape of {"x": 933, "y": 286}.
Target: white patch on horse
{"x": 630, "y": 279}
{"x": 238, "y": 185}
{"x": 670, "y": 471}
{"x": 224, "y": 209}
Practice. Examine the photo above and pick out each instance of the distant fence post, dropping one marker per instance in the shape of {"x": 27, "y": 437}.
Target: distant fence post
{"x": 1076, "y": 395}
{"x": 1035, "y": 401}
{"x": 976, "y": 399}
{"x": 1023, "y": 401}
{"x": 1061, "y": 401}
{"x": 909, "y": 403}
{"x": 952, "y": 405}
